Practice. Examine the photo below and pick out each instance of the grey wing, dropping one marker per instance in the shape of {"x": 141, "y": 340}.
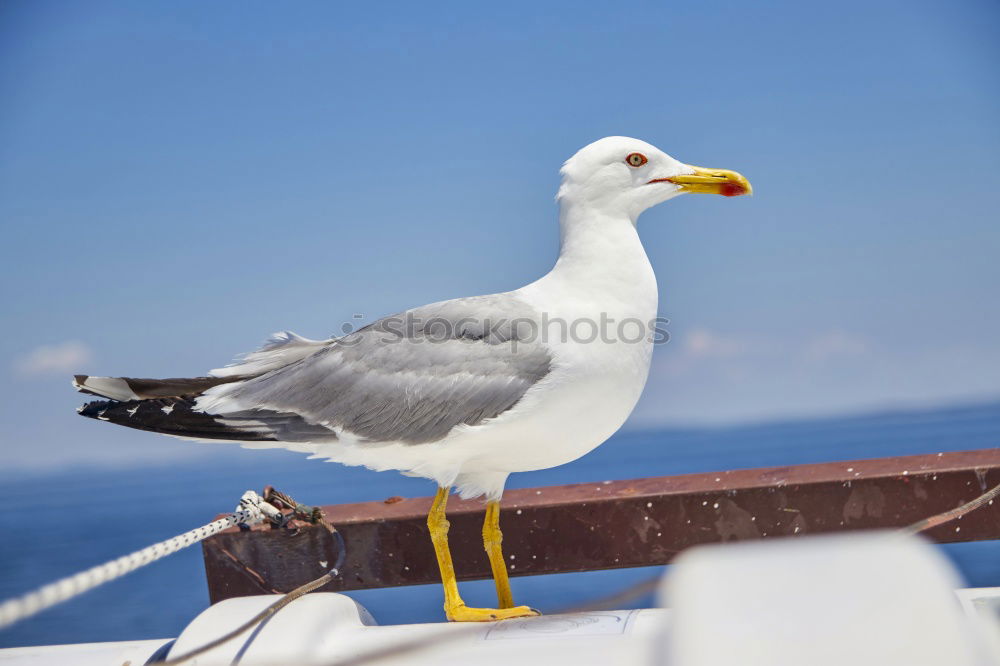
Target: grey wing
{"x": 409, "y": 378}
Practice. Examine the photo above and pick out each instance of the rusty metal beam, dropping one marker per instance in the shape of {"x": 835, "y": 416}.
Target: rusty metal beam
{"x": 612, "y": 524}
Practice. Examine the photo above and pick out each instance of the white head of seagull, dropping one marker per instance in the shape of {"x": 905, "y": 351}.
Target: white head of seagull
{"x": 618, "y": 175}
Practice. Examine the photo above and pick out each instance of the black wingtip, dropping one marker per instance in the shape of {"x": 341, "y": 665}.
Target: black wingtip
{"x": 95, "y": 409}
{"x": 170, "y": 416}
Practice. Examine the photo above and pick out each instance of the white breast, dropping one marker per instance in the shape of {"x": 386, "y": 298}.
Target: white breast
{"x": 595, "y": 294}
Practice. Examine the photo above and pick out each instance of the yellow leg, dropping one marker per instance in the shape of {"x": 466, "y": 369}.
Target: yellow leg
{"x": 492, "y": 538}
{"x": 454, "y": 607}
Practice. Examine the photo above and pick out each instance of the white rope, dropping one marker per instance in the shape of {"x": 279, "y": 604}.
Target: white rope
{"x": 252, "y": 509}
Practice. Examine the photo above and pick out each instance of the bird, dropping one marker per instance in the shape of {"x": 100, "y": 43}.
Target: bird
{"x": 463, "y": 392}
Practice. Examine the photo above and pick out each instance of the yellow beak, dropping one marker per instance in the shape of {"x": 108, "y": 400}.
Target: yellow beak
{"x": 713, "y": 181}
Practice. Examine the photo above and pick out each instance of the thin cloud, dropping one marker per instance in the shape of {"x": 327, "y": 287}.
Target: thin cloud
{"x": 702, "y": 343}
{"x": 61, "y": 358}
{"x": 835, "y": 344}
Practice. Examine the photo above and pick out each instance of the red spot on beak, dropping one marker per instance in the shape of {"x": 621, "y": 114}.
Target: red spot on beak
{"x": 732, "y": 190}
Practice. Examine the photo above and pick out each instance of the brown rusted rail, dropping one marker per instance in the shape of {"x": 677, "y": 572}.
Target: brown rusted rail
{"x": 611, "y": 524}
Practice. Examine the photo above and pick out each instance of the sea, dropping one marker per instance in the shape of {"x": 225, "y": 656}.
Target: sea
{"x": 55, "y": 524}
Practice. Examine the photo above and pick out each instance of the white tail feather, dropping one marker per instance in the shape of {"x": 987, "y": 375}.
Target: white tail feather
{"x": 109, "y": 387}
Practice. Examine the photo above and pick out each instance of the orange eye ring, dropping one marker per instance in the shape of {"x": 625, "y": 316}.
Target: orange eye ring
{"x": 635, "y": 159}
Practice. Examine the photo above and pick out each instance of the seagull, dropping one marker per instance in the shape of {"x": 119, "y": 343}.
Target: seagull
{"x": 462, "y": 392}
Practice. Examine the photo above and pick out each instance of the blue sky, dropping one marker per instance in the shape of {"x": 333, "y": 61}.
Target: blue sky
{"x": 180, "y": 179}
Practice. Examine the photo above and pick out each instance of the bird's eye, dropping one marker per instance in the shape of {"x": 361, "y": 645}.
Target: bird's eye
{"x": 636, "y": 159}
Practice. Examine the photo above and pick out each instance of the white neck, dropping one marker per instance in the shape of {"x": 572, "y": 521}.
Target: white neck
{"x": 602, "y": 260}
